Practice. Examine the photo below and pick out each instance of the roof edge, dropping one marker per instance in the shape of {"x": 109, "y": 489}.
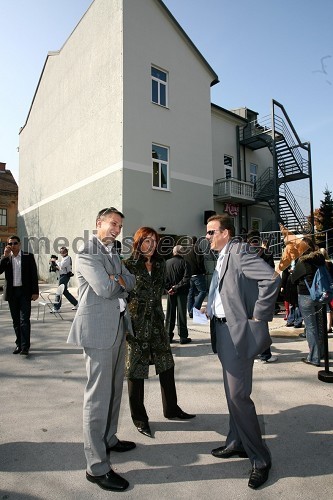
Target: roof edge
{"x": 234, "y": 115}
{"x": 187, "y": 38}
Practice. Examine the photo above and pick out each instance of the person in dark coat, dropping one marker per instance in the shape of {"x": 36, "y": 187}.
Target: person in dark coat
{"x": 294, "y": 318}
{"x": 178, "y": 275}
{"x": 329, "y": 313}
{"x": 149, "y": 344}
{"x": 198, "y": 287}
{"x": 20, "y": 289}
{"x": 313, "y": 313}
{"x": 255, "y": 242}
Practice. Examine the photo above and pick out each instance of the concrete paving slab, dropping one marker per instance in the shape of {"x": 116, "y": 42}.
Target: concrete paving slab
{"x": 41, "y": 451}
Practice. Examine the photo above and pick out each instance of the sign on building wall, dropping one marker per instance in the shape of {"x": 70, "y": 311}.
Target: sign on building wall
{"x": 232, "y": 209}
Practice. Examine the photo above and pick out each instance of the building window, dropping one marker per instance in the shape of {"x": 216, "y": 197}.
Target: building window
{"x": 228, "y": 166}
{"x": 160, "y": 156}
{"x": 256, "y": 224}
{"x": 3, "y": 217}
{"x": 159, "y": 86}
{"x": 253, "y": 173}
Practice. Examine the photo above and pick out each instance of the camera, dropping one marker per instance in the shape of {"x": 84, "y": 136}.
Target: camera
{"x": 53, "y": 264}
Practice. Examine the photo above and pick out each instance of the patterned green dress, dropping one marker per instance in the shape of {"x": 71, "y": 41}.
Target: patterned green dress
{"x": 150, "y": 343}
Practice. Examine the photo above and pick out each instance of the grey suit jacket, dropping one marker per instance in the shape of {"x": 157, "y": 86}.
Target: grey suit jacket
{"x": 248, "y": 290}
{"x": 96, "y": 321}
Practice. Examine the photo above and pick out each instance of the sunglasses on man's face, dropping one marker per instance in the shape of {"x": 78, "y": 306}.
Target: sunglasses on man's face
{"x": 13, "y": 243}
{"x": 213, "y": 231}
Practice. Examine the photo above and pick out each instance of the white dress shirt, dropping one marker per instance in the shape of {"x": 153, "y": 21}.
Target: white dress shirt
{"x": 217, "y": 305}
{"x": 17, "y": 269}
{"x": 65, "y": 265}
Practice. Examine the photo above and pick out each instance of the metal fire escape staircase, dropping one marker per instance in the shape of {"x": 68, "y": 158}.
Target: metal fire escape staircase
{"x": 291, "y": 162}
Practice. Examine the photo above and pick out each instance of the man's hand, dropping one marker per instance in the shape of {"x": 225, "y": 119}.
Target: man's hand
{"x": 171, "y": 291}
{"x": 7, "y": 251}
{"x": 120, "y": 280}
{"x": 34, "y": 296}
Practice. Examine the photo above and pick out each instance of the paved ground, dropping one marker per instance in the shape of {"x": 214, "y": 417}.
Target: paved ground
{"x": 41, "y": 453}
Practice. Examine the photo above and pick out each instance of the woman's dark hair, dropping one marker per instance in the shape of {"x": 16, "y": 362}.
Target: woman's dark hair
{"x": 311, "y": 245}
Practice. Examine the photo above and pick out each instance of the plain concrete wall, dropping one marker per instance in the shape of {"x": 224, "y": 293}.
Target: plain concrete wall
{"x": 151, "y": 38}
{"x": 74, "y": 129}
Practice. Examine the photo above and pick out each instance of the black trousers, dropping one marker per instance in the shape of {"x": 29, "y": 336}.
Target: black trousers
{"x": 20, "y": 310}
{"x": 169, "y": 397}
{"x": 64, "y": 280}
{"x": 176, "y": 304}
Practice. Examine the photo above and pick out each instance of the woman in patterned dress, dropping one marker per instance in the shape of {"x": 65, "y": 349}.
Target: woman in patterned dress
{"x": 149, "y": 343}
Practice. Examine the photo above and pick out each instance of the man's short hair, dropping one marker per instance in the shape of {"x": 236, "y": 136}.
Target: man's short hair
{"x": 108, "y": 211}
{"x": 13, "y": 237}
{"x": 253, "y": 236}
{"x": 225, "y": 222}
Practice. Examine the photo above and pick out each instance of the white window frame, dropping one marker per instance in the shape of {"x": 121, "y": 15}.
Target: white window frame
{"x": 228, "y": 167}
{"x": 161, "y": 164}
{"x": 3, "y": 217}
{"x": 253, "y": 177}
{"x": 161, "y": 84}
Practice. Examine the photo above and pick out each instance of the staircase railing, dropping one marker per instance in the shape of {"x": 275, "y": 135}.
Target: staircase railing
{"x": 285, "y": 193}
{"x": 281, "y": 128}
{"x": 264, "y": 186}
{"x": 255, "y": 128}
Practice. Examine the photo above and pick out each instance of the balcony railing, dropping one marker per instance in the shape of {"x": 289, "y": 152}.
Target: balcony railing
{"x": 233, "y": 189}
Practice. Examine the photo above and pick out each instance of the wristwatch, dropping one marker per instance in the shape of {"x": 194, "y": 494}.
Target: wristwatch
{"x": 116, "y": 278}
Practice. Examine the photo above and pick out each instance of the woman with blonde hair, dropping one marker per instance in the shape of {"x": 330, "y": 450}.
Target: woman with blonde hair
{"x": 149, "y": 343}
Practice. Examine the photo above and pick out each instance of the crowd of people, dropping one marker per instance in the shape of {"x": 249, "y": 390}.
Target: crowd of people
{"x": 121, "y": 327}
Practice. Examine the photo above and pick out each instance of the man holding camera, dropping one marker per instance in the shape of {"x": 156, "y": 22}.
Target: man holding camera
{"x": 64, "y": 266}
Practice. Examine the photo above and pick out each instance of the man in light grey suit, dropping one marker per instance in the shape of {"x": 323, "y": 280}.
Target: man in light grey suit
{"x": 99, "y": 327}
{"x": 241, "y": 302}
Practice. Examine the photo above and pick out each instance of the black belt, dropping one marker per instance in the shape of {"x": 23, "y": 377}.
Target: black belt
{"x": 220, "y": 320}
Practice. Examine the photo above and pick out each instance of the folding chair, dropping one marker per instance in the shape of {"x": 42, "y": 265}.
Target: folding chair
{"x": 50, "y": 299}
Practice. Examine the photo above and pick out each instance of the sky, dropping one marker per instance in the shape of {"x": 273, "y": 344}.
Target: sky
{"x": 260, "y": 51}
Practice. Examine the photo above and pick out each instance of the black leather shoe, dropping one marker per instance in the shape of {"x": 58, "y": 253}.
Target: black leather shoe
{"x": 24, "y": 352}
{"x": 182, "y": 415}
{"x": 258, "y": 477}
{"x": 186, "y": 340}
{"x": 224, "y": 452}
{"x": 110, "y": 481}
{"x": 144, "y": 429}
{"x": 17, "y": 350}
{"x": 122, "y": 446}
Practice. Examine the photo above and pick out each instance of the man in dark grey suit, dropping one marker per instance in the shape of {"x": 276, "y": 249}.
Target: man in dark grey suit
{"x": 99, "y": 327}
{"x": 241, "y": 302}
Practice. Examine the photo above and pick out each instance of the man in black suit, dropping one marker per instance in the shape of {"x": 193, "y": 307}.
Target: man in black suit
{"x": 20, "y": 289}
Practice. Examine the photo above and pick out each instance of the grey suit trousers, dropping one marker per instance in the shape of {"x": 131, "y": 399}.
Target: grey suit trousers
{"x": 244, "y": 431}
{"x": 101, "y": 404}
